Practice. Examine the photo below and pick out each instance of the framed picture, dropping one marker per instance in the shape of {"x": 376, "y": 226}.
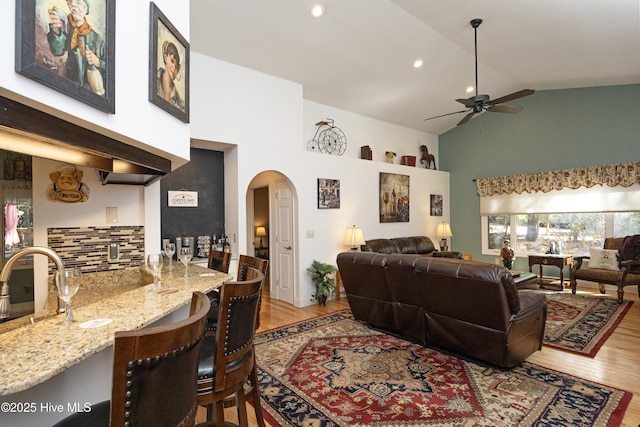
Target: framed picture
{"x": 70, "y": 47}
{"x": 168, "y": 66}
{"x": 394, "y": 197}
{"x": 436, "y": 205}
{"x": 328, "y": 193}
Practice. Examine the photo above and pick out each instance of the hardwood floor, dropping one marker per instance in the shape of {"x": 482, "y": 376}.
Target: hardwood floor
{"x": 616, "y": 364}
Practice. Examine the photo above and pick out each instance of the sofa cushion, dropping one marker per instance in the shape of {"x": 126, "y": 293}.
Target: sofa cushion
{"x": 605, "y": 259}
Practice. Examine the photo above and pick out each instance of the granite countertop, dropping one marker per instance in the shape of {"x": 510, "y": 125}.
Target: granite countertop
{"x": 32, "y": 353}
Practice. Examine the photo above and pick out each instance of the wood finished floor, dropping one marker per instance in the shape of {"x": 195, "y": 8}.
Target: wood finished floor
{"x": 616, "y": 364}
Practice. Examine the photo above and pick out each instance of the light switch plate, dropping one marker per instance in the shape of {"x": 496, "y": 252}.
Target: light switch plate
{"x": 112, "y": 215}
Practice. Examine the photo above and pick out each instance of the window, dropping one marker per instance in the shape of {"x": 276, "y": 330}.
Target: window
{"x": 571, "y": 233}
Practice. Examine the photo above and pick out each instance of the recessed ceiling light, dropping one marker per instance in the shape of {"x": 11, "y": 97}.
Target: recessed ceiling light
{"x": 469, "y": 89}
{"x": 317, "y": 10}
{"x": 418, "y": 63}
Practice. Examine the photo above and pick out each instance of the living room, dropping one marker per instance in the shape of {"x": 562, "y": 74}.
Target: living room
{"x": 264, "y": 122}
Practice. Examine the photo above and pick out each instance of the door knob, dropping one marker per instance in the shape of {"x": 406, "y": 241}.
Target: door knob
{"x": 288, "y": 248}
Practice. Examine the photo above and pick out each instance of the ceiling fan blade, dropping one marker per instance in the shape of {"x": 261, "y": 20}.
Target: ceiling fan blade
{"x": 448, "y": 114}
{"x": 467, "y": 102}
{"x": 520, "y": 94}
{"x": 466, "y": 118}
{"x": 504, "y": 109}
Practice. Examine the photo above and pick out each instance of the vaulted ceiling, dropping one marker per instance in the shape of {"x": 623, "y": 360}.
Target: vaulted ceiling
{"x": 359, "y": 57}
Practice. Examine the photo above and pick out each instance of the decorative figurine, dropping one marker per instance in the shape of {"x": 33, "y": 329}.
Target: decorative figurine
{"x": 507, "y": 255}
{"x": 427, "y": 158}
{"x": 389, "y": 156}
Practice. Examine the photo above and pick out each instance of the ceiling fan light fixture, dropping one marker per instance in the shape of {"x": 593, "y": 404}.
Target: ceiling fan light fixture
{"x": 418, "y": 63}
{"x": 317, "y": 10}
{"x": 480, "y": 102}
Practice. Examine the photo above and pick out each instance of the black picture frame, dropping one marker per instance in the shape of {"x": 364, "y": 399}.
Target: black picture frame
{"x": 44, "y": 56}
{"x": 393, "y": 197}
{"x": 436, "y": 205}
{"x": 328, "y": 193}
{"x": 162, "y": 35}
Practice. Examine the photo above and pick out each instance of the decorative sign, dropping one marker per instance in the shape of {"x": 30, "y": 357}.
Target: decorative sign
{"x": 183, "y": 199}
{"x": 67, "y": 185}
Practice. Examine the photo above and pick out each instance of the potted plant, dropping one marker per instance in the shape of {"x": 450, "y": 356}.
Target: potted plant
{"x": 325, "y": 284}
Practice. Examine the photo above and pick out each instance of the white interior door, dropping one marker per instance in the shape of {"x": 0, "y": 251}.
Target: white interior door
{"x": 284, "y": 253}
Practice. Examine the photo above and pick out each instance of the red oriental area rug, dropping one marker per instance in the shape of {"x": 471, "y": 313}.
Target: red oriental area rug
{"x": 335, "y": 371}
{"x": 582, "y": 323}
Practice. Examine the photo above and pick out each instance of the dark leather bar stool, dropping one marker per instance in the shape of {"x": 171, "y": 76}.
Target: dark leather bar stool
{"x": 227, "y": 360}
{"x": 155, "y": 374}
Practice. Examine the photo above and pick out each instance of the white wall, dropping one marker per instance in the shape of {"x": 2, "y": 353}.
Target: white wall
{"x": 136, "y": 119}
{"x": 270, "y": 124}
{"x": 129, "y": 201}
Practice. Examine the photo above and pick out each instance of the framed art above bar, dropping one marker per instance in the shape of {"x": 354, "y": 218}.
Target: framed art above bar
{"x": 168, "y": 66}
{"x": 70, "y": 47}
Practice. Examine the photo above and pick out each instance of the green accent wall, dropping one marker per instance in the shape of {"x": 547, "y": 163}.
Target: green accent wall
{"x": 558, "y": 129}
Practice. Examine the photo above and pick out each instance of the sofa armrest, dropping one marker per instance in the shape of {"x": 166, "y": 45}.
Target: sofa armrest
{"x": 530, "y": 302}
{"x": 447, "y": 254}
{"x": 629, "y": 267}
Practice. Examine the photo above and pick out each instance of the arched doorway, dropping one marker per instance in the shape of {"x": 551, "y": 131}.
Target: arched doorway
{"x": 279, "y": 220}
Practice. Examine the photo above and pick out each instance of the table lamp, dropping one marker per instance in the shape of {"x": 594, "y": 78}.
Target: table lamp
{"x": 444, "y": 231}
{"x": 261, "y": 231}
{"x": 354, "y": 237}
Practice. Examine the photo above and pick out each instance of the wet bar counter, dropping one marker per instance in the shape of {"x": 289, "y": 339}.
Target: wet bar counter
{"x": 49, "y": 363}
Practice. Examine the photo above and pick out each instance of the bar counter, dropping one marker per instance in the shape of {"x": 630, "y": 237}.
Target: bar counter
{"x": 34, "y": 353}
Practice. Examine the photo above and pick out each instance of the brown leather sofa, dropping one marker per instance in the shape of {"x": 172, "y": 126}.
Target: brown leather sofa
{"x": 465, "y": 307}
{"x": 407, "y": 245}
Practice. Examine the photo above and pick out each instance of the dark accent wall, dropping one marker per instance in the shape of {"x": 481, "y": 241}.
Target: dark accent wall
{"x": 558, "y": 129}
{"x": 204, "y": 174}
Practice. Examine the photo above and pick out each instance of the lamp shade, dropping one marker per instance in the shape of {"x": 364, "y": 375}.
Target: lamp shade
{"x": 354, "y": 237}
{"x": 444, "y": 230}
{"x": 261, "y": 231}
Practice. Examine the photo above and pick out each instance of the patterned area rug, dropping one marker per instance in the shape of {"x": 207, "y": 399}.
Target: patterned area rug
{"x": 581, "y": 323}
{"x": 335, "y": 371}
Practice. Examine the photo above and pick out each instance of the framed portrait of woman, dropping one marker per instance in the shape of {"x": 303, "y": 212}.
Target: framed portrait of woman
{"x": 168, "y": 66}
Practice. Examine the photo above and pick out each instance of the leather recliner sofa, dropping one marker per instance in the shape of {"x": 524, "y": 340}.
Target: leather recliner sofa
{"x": 465, "y": 307}
{"x": 421, "y": 245}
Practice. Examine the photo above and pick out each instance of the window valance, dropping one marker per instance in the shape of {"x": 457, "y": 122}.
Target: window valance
{"x": 620, "y": 174}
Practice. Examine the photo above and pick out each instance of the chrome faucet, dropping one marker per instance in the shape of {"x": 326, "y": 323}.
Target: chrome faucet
{"x": 5, "y": 274}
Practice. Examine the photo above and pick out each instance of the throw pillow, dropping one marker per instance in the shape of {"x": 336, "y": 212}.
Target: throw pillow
{"x": 630, "y": 250}
{"x": 605, "y": 259}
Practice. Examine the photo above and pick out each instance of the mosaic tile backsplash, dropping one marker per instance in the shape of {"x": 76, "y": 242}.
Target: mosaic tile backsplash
{"x": 87, "y": 247}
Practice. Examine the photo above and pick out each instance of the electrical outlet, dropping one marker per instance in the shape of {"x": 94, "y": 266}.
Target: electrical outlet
{"x": 311, "y": 234}
{"x": 114, "y": 252}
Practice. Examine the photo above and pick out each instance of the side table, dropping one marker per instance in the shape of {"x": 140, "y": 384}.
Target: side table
{"x": 559, "y": 261}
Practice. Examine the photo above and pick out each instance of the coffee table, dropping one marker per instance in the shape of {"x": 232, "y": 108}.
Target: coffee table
{"x": 523, "y": 278}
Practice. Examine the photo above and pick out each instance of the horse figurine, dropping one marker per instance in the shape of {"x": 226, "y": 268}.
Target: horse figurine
{"x": 427, "y": 158}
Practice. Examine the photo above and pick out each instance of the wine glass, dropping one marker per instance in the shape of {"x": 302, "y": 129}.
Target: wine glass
{"x": 154, "y": 264}
{"x": 67, "y": 285}
{"x": 185, "y": 258}
{"x": 170, "y": 250}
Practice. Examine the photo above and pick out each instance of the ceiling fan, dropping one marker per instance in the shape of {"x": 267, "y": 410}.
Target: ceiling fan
{"x": 479, "y": 103}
